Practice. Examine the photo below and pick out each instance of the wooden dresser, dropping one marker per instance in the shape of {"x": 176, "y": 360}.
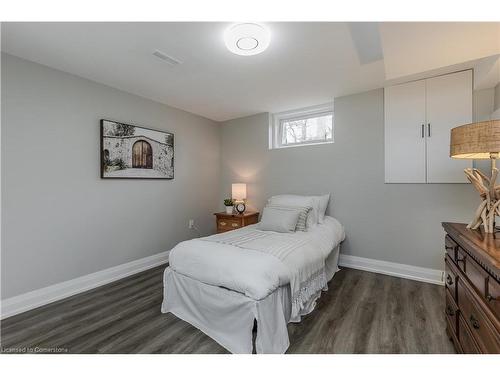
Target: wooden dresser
{"x": 227, "y": 222}
{"x": 472, "y": 282}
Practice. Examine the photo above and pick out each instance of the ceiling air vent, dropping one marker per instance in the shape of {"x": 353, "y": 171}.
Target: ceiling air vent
{"x": 166, "y": 58}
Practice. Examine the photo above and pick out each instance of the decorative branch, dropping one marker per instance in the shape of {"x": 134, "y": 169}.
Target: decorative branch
{"x": 490, "y": 195}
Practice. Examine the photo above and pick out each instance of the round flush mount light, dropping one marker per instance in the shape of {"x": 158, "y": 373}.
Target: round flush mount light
{"x": 247, "y": 39}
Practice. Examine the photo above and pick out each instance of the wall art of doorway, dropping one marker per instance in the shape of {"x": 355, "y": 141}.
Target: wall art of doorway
{"x": 129, "y": 151}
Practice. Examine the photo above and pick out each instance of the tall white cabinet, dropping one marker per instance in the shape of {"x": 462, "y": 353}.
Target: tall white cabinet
{"x": 418, "y": 119}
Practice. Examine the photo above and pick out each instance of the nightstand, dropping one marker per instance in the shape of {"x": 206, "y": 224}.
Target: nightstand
{"x": 227, "y": 222}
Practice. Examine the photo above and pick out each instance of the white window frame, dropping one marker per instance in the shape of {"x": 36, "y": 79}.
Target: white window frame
{"x": 277, "y": 120}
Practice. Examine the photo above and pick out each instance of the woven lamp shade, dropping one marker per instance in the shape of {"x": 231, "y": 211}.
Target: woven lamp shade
{"x": 475, "y": 141}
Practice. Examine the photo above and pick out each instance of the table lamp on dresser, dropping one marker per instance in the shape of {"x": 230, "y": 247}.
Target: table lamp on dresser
{"x": 239, "y": 195}
{"x": 480, "y": 140}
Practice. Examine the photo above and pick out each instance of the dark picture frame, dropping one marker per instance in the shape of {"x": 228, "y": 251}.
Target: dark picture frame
{"x": 135, "y": 152}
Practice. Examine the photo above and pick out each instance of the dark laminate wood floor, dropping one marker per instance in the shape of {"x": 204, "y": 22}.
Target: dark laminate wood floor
{"x": 362, "y": 312}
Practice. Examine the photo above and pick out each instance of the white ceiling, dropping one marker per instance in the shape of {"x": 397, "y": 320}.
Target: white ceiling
{"x": 422, "y": 46}
{"x": 306, "y": 63}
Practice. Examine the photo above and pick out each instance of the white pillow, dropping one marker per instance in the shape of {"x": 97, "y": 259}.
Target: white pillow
{"x": 301, "y": 201}
{"x": 303, "y": 212}
{"x": 323, "y": 204}
{"x": 279, "y": 220}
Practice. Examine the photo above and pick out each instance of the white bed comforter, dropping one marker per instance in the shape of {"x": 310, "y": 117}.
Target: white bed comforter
{"x": 255, "y": 262}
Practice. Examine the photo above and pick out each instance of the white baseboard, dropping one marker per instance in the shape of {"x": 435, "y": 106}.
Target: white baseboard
{"x": 36, "y": 298}
{"x": 427, "y": 275}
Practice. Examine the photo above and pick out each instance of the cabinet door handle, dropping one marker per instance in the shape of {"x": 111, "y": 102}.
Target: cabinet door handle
{"x": 423, "y": 130}
{"x": 474, "y": 322}
{"x": 429, "y": 129}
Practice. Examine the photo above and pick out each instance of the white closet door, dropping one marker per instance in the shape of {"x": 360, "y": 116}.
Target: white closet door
{"x": 449, "y": 104}
{"x": 404, "y": 138}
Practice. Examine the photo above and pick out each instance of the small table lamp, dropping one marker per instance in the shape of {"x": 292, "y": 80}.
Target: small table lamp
{"x": 239, "y": 194}
{"x": 480, "y": 140}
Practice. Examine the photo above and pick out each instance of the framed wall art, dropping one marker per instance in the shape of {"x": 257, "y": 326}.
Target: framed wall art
{"x": 130, "y": 151}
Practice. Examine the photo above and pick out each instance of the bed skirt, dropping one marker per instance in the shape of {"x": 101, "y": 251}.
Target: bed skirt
{"x": 228, "y": 316}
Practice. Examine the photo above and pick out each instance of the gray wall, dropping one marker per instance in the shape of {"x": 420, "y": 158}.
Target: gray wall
{"x": 496, "y": 104}
{"x": 59, "y": 219}
{"x": 483, "y": 104}
{"x": 392, "y": 222}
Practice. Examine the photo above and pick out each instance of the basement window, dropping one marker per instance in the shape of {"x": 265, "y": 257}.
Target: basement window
{"x": 301, "y": 127}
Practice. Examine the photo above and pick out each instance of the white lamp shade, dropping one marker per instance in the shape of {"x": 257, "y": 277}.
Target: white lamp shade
{"x": 239, "y": 192}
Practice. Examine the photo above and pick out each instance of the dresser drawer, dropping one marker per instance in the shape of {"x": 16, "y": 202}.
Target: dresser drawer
{"x": 483, "y": 331}
{"x": 461, "y": 259}
{"x": 451, "y": 277}
{"x": 451, "y": 311}
{"x": 467, "y": 342}
{"x": 451, "y": 248}
{"x": 493, "y": 296}
{"x": 473, "y": 271}
{"x": 228, "y": 224}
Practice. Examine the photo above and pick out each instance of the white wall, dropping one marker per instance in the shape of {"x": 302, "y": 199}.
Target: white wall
{"x": 391, "y": 222}
{"x": 59, "y": 219}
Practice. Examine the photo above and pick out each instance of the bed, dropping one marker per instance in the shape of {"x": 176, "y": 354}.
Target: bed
{"x": 225, "y": 283}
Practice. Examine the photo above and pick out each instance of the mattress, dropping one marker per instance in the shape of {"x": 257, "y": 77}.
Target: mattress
{"x": 228, "y": 316}
{"x": 221, "y": 284}
{"x": 255, "y": 263}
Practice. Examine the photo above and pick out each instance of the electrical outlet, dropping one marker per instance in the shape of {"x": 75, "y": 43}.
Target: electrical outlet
{"x": 191, "y": 224}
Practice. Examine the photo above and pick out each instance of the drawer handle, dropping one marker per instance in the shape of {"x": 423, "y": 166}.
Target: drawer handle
{"x": 449, "y": 280}
{"x": 490, "y": 298}
{"x": 234, "y": 225}
{"x": 449, "y": 247}
{"x": 461, "y": 260}
{"x": 223, "y": 223}
{"x": 474, "y": 322}
{"x": 449, "y": 310}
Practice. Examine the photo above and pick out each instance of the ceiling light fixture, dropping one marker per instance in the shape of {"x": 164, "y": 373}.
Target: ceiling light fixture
{"x": 247, "y": 39}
